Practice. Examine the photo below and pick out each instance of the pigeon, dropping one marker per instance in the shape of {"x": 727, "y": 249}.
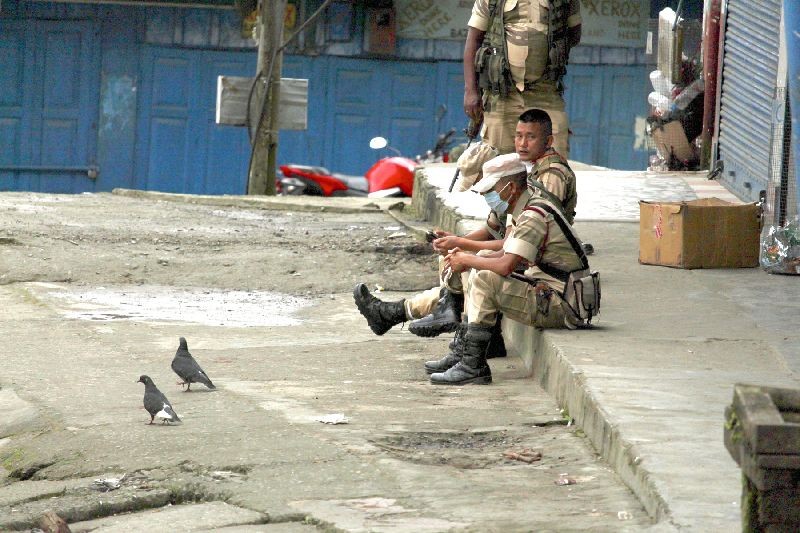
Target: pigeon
{"x": 156, "y": 403}
{"x": 187, "y": 368}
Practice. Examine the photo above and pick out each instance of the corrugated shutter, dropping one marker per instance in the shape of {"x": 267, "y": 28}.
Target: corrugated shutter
{"x": 750, "y": 65}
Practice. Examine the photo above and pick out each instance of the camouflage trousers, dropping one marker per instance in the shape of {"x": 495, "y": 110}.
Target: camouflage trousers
{"x": 502, "y": 114}
{"x": 488, "y": 293}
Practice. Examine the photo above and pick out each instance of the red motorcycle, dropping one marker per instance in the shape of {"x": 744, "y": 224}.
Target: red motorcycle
{"x": 389, "y": 176}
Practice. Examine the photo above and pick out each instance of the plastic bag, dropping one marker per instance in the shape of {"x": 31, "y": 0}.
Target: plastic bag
{"x": 780, "y": 248}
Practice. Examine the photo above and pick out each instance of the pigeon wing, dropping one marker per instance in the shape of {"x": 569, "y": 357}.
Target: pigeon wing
{"x": 188, "y": 370}
{"x": 184, "y": 366}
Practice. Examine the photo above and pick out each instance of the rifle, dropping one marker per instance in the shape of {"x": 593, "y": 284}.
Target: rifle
{"x": 471, "y": 131}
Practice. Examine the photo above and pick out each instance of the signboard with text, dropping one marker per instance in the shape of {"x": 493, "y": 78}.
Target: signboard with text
{"x": 615, "y": 22}
{"x": 433, "y": 19}
{"x": 605, "y": 22}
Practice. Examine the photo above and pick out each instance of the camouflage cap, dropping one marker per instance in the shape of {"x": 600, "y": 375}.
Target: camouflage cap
{"x": 470, "y": 163}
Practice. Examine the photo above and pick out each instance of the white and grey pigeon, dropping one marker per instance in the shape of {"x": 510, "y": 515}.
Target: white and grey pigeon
{"x": 156, "y": 403}
{"x": 187, "y": 368}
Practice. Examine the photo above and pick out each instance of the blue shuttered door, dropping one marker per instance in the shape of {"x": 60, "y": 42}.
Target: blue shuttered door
{"x": 624, "y": 99}
{"x": 354, "y": 100}
{"x": 307, "y": 146}
{"x": 354, "y": 104}
{"x": 179, "y": 146}
{"x": 603, "y": 104}
{"x": 583, "y": 95}
{"x": 48, "y": 105}
{"x": 370, "y": 98}
{"x": 15, "y": 100}
{"x": 411, "y": 107}
{"x": 749, "y": 71}
{"x": 450, "y": 93}
{"x": 228, "y": 147}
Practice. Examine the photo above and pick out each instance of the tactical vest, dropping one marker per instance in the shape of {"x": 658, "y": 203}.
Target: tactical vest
{"x": 491, "y": 59}
{"x": 553, "y": 162}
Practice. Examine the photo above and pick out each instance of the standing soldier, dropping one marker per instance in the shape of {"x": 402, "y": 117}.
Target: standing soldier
{"x": 515, "y": 58}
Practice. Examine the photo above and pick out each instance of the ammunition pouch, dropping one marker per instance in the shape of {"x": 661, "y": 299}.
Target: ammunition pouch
{"x": 493, "y": 70}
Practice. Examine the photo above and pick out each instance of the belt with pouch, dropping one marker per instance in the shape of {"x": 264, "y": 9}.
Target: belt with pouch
{"x": 551, "y": 271}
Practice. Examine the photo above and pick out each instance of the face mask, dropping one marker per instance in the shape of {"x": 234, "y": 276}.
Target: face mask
{"x": 496, "y": 204}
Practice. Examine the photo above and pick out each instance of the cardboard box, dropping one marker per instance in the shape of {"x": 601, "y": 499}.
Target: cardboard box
{"x": 708, "y": 233}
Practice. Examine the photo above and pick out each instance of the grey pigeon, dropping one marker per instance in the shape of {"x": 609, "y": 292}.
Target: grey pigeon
{"x": 156, "y": 403}
{"x": 187, "y": 368}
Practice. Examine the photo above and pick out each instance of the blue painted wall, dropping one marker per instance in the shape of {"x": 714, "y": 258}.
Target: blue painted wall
{"x": 131, "y": 91}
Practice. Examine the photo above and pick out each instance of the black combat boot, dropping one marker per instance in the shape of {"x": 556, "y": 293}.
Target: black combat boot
{"x": 472, "y": 368}
{"x": 381, "y": 316}
{"x": 445, "y": 318}
{"x": 454, "y": 356}
{"x": 497, "y": 347}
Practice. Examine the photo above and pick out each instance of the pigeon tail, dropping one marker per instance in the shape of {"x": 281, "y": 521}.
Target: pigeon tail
{"x": 205, "y": 380}
{"x": 167, "y": 414}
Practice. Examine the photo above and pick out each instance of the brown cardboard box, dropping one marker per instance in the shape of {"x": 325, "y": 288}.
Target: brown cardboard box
{"x": 708, "y": 233}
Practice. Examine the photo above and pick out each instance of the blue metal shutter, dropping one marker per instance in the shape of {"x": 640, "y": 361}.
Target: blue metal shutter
{"x": 749, "y": 71}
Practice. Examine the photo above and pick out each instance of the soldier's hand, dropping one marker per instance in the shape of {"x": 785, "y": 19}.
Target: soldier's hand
{"x": 473, "y": 107}
{"x": 454, "y": 260}
{"x": 444, "y": 244}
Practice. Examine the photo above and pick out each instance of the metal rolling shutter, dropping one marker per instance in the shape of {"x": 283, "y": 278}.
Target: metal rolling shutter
{"x": 750, "y": 65}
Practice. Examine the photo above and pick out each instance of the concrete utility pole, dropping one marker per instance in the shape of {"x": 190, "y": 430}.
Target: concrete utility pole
{"x": 261, "y": 178}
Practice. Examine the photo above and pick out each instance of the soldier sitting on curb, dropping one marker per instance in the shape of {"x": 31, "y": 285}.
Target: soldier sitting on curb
{"x": 438, "y": 310}
{"x": 550, "y": 177}
{"x": 527, "y": 280}
{"x": 382, "y": 316}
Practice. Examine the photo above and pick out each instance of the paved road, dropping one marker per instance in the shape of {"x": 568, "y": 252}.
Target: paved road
{"x": 413, "y": 457}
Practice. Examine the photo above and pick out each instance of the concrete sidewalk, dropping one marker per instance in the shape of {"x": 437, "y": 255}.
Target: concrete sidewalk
{"x": 650, "y": 382}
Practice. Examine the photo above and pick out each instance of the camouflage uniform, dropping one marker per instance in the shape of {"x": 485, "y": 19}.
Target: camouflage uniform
{"x": 537, "y": 238}
{"x": 526, "y": 28}
{"x": 555, "y": 175}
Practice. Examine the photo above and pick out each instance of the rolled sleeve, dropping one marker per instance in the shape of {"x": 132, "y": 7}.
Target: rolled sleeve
{"x": 522, "y": 248}
{"x": 528, "y": 236}
{"x": 480, "y": 16}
